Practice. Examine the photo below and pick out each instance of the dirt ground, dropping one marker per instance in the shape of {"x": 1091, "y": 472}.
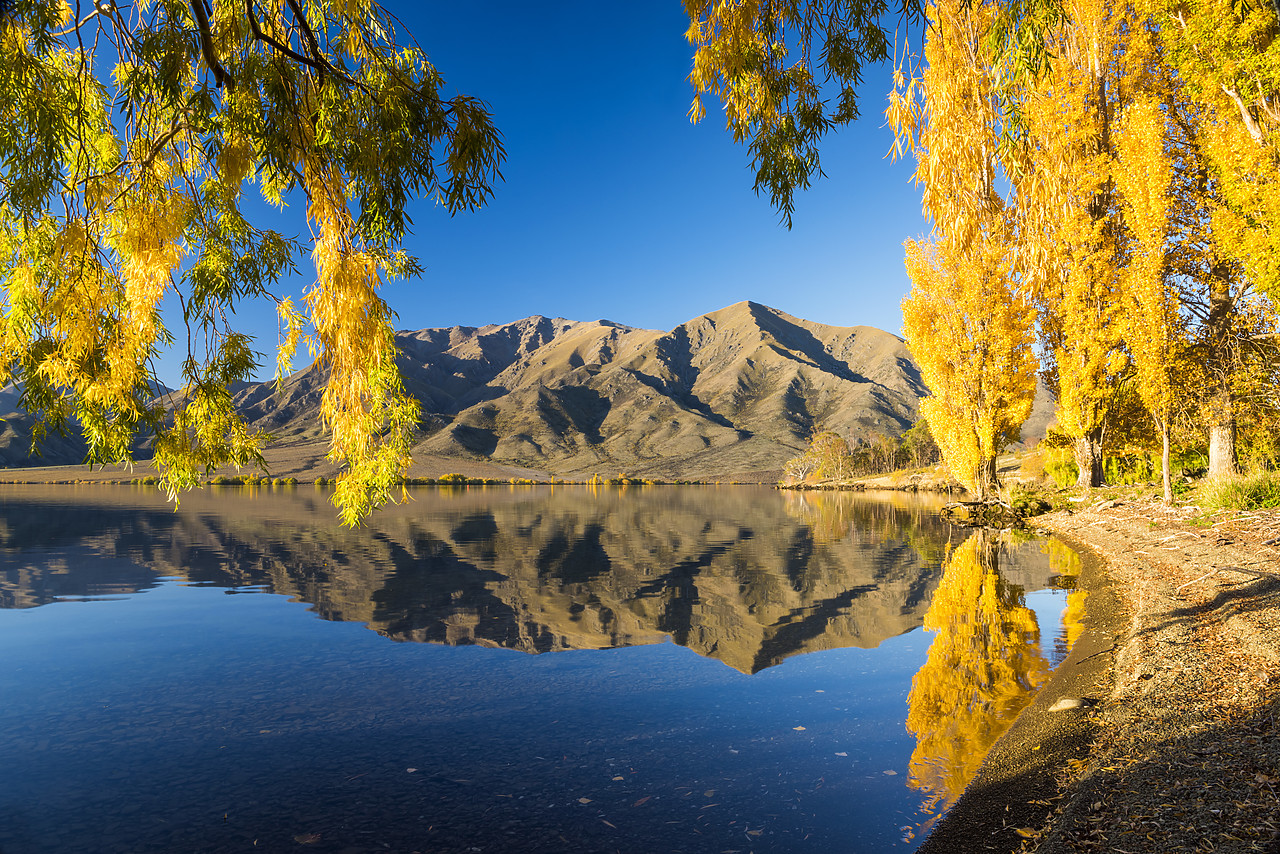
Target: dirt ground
{"x": 1172, "y": 742}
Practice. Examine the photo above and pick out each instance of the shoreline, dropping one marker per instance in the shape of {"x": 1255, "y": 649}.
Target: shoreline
{"x": 1175, "y": 747}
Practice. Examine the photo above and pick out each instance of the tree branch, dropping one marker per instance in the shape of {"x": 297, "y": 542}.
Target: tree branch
{"x": 220, "y": 74}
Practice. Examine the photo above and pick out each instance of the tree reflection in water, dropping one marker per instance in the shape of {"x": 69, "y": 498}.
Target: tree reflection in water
{"x": 983, "y": 668}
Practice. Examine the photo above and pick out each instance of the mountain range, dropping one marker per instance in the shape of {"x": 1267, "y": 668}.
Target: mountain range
{"x": 732, "y": 394}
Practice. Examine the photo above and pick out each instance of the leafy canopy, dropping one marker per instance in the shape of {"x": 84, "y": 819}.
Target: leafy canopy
{"x": 767, "y": 61}
{"x": 128, "y": 138}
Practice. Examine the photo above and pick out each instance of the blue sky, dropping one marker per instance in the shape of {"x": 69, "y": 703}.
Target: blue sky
{"x": 614, "y": 206}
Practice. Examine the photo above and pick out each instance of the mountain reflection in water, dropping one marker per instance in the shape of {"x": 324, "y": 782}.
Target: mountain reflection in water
{"x": 182, "y": 719}
{"x": 747, "y": 576}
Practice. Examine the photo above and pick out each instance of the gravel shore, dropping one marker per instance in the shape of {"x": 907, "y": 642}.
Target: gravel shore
{"x": 1169, "y": 742}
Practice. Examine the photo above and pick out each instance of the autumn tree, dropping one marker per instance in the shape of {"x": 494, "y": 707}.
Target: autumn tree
{"x": 786, "y": 73}
{"x": 972, "y": 335}
{"x": 1151, "y": 310}
{"x": 967, "y": 320}
{"x": 129, "y": 136}
{"x": 826, "y": 458}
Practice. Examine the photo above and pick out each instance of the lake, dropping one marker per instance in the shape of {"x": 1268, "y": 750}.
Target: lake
{"x": 534, "y": 669}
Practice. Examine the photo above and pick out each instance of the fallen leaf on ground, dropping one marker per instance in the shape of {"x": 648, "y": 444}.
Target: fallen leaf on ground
{"x": 798, "y": 728}
{"x": 307, "y": 838}
{"x": 584, "y": 800}
{"x": 642, "y": 800}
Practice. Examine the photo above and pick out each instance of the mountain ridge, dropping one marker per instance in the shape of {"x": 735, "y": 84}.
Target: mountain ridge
{"x": 735, "y": 391}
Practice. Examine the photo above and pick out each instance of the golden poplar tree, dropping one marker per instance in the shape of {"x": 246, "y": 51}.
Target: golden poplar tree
{"x": 1074, "y": 245}
{"x": 1153, "y": 322}
{"x": 967, "y": 320}
{"x": 104, "y": 216}
{"x": 971, "y": 331}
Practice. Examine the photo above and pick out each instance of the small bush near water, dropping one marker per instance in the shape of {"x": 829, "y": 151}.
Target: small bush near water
{"x": 1247, "y": 492}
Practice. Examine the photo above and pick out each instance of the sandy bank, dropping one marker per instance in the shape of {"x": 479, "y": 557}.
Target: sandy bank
{"x": 1174, "y": 747}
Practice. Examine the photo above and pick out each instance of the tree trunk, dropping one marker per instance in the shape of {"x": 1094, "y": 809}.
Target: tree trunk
{"x": 1221, "y": 362}
{"x": 1088, "y": 451}
{"x": 1164, "y": 461}
{"x": 987, "y": 483}
{"x": 1222, "y": 447}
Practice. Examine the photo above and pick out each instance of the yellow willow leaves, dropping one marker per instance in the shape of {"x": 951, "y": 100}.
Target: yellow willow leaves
{"x": 971, "y": 332}
{"x": 364, "y": 404}
{"x": 293, "y": 323}
{"x": 729, "y": 49}
{"x": 955, "y": 153}
{"x": 983, "y": 668}
{"x": 146, "y": 232}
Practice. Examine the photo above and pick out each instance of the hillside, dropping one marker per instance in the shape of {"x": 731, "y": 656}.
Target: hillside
{"x": 731, "y": 394}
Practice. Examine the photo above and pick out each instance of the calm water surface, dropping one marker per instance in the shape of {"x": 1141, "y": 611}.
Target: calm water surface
{"x": 655, "y": 669}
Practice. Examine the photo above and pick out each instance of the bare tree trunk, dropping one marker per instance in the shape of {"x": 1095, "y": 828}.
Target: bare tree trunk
{"x": 1222, "y": 447}
{"x": 1164, "y": 461}
{"x": 1222, "y": 409}
{"x": 1088, "y": 451}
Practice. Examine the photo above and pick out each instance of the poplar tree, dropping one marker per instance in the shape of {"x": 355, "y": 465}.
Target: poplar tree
{"x": 1154, "y": 327}
{"x": 129, "y": 138}
{"x": 1074, "y": 243}
{"x": 967, "y": 321}
{"x": 971, "y": 332}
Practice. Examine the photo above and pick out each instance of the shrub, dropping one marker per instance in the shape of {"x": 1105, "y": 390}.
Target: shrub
{"x": 452, "y": 479}
{"x": 1064, "y": 471}
{"x": 1028, "y": 501}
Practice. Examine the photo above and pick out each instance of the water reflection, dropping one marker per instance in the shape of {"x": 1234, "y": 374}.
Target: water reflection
{"x": 983, "y": 668}
{"x": 746, "y": 576}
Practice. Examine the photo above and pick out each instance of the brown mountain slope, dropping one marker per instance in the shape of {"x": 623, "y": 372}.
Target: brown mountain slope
{"x": 737, "y": 390}
{"x": 731, "y": 394}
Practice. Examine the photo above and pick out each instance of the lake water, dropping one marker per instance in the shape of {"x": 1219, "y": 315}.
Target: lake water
{"x": 643, "y": 669}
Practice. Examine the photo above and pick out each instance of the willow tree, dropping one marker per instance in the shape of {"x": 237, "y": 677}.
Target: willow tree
{"x": 967, "y": 320}
{"x": 129, "y": 136}
{"x": 786, "y": 73}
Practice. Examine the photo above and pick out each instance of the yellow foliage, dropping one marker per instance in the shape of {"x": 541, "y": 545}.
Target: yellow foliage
{"x": 983, "y": 668}
{"x": 971, "y": 332}
{"x": 364, "y": 406}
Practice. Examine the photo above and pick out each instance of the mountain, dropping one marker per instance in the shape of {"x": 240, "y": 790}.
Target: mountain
{"x": 731, "y": 394}
{"x": 737, "y": 391}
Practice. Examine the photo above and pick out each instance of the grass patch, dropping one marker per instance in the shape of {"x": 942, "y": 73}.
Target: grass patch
{"x": 1246, "y": 492}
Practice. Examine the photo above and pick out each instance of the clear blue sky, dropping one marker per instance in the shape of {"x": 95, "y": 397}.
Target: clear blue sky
{"x": 614, "y": 206}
